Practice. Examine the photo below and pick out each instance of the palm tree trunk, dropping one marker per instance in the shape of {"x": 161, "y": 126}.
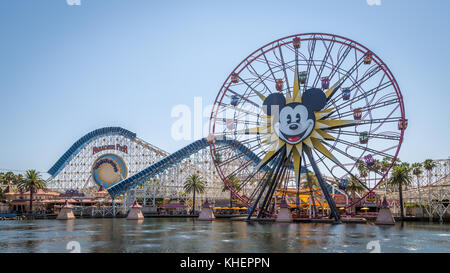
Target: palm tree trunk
{"x": 385, "y": 187}
{"x": 420, "y": 194}
{"x": 231, "y": 199}
{"x": 353, "y": 200}
{"x": 193, "y": 206}
{"x": 31, "y": 200}
{"x": 400, "y": 193}
{"x": 311, "y": 192}
{"x": 313, "y": 203}
{"x": 430, "y": 214}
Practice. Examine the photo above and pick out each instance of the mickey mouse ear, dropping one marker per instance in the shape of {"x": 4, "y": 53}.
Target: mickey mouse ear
{"x": 314, "y": 99}
{"x": 275, "y": 99}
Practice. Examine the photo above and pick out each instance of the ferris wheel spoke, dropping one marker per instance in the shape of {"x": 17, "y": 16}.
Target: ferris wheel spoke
{"x": 241, "y": 110}
{"x": 369, "y": 74}
{"x": 369, "y": 135}
{"x": 233, "y": 158}
{"x": 279, "y": 160}
{"x": 268, "y": 65}
{"x": 339, "y": 62}
{"x": 374, "y": 152}
{"x": 234, "y": 145}
{"x": 310, "y": 61}
{"x": 257, "y": 189}
{"x": 371, "y": 92}
{"x": 256, "y": 92}
{"x": 274, "y": 182}
{"x": 249, "y": 178}
{"x": 284, "y": 70}
{"x": 240, "y": 169}
{"x": 259, "y": 77}
{"x": 324, "y": 189}
{"x": 240, "y": 121}
{"x": 324, "y": 60}
{"x": 243, "y": 98}
{"x": 365, "y": 108}
{"x": 356, "y": 85}
{"x": 325, "y": 165}
{"x": 362, "y": 122}
{"x": 345, "y": 78}
{"x": 355, "y": 160}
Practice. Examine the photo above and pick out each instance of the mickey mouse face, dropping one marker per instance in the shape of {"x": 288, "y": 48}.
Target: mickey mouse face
{"x": 294, "y": 123}
{"x": 295, "y": 120}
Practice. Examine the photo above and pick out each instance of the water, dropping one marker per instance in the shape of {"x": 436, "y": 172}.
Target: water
{"x": 190, "y": 235}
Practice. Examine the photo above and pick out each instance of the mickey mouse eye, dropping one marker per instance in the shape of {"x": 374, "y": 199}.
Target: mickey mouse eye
{"x": 298, "y": 118}
{"x": 289, "y": 119}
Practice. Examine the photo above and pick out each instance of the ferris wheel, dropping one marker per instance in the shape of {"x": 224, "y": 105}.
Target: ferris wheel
{"x": 310, "y": 102}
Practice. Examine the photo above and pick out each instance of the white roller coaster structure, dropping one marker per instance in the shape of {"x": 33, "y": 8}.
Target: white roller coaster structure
{"x": 74, "y": 169}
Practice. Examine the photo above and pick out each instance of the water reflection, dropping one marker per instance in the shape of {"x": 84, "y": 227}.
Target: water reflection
{"x": 189, "y": 235}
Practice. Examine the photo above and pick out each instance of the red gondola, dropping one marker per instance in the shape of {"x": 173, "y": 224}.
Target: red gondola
{"x": 363, "y": 137}
{"x": 346, "y": 93}
{"x": 357, "y": 114}
{"x": 302, "y": 77}
{"x": 325, "y": 83}
{"x": 343, "y": 184}
{"x": 234, "y": 100}
{"x": 234, "y": 78}
{"x": 369, "y": 160}
{"x": 368, "y": 58}
{"x": 218, "y": 158}
{"x": 211, "y": 139}
{"x": 230, "y": 124}
{"x": 296, "y": 42}
{"x": 402, "y": 124}
{"x": 279, "y": 85}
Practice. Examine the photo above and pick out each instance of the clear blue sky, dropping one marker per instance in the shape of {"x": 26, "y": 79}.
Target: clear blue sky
{"x": 67, "y": 70}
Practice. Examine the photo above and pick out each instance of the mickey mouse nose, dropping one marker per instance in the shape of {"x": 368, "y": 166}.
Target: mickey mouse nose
{"x": 293, "y": 126}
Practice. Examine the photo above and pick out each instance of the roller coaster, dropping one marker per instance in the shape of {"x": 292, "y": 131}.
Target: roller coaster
{"x": 145, "y": 162}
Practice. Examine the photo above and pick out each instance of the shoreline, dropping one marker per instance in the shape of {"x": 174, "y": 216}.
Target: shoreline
{"x": 351, "y": 220}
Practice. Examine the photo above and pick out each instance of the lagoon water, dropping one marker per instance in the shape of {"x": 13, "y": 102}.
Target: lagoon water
{"x": 190, "y": 235}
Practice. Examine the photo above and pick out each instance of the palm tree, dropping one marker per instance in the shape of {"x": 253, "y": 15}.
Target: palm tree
{"x": 235, "y": 183}
{"x": 417, "y": 171}
{"x": 18, "y": 179}
{"x": 309, "y": 183}
{"x": 375, "y": 168}
{"x": 429, "y": 165}
{"x": 1, "y": 184}
{"x": 354, "y": 186}
{"x": 8, "y": 178}
{"x": 401, "y": 177}
{"x": 385, "y": 165}
{"x": 194, "y": 183}
{"x": 363, "y": 171}
{"x": 31, "y": 182}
